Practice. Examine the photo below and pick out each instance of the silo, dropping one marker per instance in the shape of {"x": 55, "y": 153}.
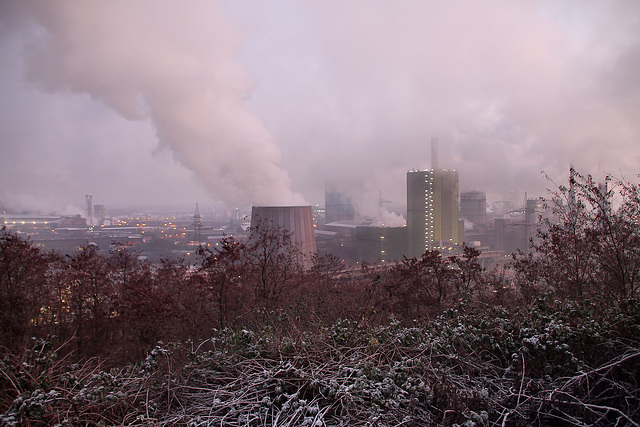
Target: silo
{"x": 296, "y": 219}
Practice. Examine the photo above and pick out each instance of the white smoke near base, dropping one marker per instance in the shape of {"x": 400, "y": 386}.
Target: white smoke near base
{"x": 386, "y": 218}
{"x": 374, "y": 207}
{"x": 171, "y": 63}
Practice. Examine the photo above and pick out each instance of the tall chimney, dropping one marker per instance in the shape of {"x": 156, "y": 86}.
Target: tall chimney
{"x": 434, "y": 153}
{"x": 89, "y": 200}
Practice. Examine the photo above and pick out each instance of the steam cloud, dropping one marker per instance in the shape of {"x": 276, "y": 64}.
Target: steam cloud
{"x": 509, "y": 88}
{"x": 351, "y": 91}
{"x": 172, "y": 63}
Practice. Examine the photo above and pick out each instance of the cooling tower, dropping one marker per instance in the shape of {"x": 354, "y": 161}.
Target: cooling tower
{"x": 296, "y": 219}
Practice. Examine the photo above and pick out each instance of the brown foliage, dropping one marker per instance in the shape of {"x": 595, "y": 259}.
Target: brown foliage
{"x": 591, "y": 248}
{"x": 118, "y": 307}
{"x": 24, "y": 288}
{"x": 423, "y": 287}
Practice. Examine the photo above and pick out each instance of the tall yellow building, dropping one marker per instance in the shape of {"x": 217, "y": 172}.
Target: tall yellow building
{"x": 432, "y": 210}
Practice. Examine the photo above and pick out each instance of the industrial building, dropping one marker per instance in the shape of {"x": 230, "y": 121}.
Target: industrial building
{"x": 380, "y": 244}
{"x": 338, "y": 206}
{"x": 473, "y": 208}
{"x": 432, "y": 210}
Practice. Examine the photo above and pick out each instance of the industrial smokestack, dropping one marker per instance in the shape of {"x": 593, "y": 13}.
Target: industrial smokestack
{"x": 89, "y": 200}
{"x": 434, "y": 153}
{"x": 296, "y": 219}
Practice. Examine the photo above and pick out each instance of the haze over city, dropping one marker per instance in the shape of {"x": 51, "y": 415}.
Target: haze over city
{"x": 234, "y": 103}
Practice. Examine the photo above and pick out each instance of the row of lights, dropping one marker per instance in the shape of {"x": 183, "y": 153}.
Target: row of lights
{"x": 23, "y": 222}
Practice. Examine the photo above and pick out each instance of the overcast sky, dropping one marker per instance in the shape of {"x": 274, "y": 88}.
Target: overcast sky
{"x": 240, "y": 102}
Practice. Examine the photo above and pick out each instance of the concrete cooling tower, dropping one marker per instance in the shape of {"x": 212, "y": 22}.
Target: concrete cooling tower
{"x": 296, "y": 219}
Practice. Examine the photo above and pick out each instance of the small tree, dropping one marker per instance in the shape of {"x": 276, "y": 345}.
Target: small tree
{"x": 88, "y": 295}
{"x": 423, "y": 286}
{"x": 221, "y": 273}
{"x": 591, "y": 248}
{"x": 187, "y": 302}
{"x": 141, "y": 307}
{"x": 469, "y": 271}
{"x": 273, "y": 262}
{"x": 562, "y": 259}
{"x": 616, "y": 227}
{"x": 24, "y": 287}
{"x": 317, "y": 297}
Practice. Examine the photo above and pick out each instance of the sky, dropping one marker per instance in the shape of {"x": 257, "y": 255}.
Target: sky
{"x": 235, "y": 103}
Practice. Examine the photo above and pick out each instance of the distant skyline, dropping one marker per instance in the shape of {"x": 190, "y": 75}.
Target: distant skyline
{"x": 242, "y": 102}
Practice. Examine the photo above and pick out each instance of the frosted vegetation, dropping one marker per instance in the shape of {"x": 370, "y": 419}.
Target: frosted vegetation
{"x": 251, "y": 339}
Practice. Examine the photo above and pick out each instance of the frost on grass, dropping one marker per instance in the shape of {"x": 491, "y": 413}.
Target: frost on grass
{"x": 467, "y": 368}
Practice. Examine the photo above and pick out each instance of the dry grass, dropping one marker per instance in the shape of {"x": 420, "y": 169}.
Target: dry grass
{"x": 458, "y": 369}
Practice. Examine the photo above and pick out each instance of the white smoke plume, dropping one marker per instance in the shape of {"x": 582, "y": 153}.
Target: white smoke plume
{"x": 386, "y": 218}
{"x": 171, "y": 63}
{"x": 348, "y": 90}
{"x": 509, "y": 88}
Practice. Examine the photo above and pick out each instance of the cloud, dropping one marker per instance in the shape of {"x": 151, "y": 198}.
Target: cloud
{"x": 261, "y": 100}
{"x": 510, "y": 88}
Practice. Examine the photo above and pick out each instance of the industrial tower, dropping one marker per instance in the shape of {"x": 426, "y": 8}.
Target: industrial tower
{"x": 432, "y": 208}
{"x": 89, "y": 200}
{"x": 197, "y": 226}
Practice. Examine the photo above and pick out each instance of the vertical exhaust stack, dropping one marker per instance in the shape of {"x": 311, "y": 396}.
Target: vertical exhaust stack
{"x": 298, "y": 220}
{"x": 434, "y": 154}
{"x": 89, "y": 200}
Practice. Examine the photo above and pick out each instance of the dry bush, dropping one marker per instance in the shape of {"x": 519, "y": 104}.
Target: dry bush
{"x": 553, "y": 364}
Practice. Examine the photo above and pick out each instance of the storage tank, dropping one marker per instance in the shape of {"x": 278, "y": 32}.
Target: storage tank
{"x": 296, "y": 219}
